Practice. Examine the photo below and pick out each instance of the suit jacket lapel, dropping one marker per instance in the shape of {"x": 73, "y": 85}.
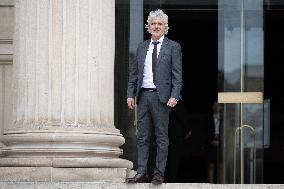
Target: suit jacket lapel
{"x": 163, "y": 49}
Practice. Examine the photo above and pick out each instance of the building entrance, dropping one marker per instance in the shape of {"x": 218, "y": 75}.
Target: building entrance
{"x": 194, "y": 24}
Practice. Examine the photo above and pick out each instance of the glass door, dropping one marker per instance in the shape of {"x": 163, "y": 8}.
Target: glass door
{"x": 240, "y": 68}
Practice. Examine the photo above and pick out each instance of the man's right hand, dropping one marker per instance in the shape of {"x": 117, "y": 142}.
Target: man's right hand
{"x": 131, "y": 103}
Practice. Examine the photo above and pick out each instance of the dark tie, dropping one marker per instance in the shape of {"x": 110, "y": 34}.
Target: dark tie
{"x": 154, "y": 59}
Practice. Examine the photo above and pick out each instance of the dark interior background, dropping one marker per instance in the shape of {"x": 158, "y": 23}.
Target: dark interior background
{"x": 197, "y": 32}
{"x": 273, "y": 82}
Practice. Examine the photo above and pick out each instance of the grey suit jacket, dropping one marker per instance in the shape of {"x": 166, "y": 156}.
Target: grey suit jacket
{"x": 168, "y": 72}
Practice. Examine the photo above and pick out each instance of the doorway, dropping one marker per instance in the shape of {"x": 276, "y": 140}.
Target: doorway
{"x": 195, "y": 27}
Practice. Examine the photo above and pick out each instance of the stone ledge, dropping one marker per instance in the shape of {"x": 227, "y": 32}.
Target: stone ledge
{"x": 113, "y": 185}
{"x": 70, "y": 162}
{"x": 52, "y": 175}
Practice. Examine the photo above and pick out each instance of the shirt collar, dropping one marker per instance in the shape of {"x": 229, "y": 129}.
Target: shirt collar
{"x": 160, "y": 40}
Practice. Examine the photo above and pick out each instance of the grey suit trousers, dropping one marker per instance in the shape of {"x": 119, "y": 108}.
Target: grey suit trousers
{"x": 152, "y": 112}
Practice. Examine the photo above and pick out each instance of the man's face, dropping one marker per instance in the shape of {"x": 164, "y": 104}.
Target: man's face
{"x": 157, "y": 27}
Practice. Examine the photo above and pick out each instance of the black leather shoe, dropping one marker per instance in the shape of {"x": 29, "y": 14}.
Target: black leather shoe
{"x": 138, "y": 178}
{"x": 157, "y": 179}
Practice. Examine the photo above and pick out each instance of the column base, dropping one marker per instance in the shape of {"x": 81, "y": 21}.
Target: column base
{"x": 63, "y": 156}
{"x": 53, "y": 143}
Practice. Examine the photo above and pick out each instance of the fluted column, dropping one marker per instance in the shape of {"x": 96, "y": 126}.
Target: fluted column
{"x": 64, "y": 88}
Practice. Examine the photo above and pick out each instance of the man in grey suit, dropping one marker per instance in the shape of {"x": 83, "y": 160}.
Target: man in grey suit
{"x": 155, "y": 79}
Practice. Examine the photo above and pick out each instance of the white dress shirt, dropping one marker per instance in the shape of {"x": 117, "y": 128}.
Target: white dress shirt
{"x": 147, "y": 72}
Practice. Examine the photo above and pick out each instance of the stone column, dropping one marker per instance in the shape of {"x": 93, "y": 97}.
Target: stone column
{"x": 63, "y": 91}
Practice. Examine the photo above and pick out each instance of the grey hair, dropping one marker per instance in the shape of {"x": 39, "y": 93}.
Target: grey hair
{"x": 160, "y": 14}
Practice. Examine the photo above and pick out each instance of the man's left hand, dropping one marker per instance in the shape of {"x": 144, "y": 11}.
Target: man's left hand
{"x": 172, "y": 102}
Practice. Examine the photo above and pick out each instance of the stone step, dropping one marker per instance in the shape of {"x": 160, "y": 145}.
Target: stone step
{"x": 113, "y": 185}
